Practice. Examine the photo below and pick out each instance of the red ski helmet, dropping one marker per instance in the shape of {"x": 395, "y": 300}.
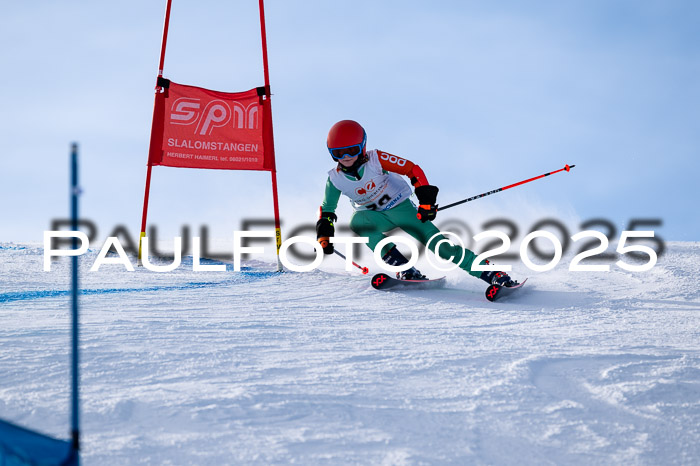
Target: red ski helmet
{"x": 346, "y": 138}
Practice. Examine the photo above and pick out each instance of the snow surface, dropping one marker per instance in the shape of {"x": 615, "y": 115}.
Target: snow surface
{"x": 258, "y": 367}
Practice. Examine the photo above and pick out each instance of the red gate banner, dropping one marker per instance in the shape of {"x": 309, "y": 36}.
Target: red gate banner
{"x": 199, "y": 128}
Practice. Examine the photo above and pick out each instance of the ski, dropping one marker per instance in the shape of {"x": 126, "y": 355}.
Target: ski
{"x": 382, "y": 281}
{"x": 495, "y": 292}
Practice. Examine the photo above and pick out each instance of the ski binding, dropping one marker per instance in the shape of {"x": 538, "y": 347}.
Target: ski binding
{"x": 382, "y": 281}
{"x": 494, "y": 292}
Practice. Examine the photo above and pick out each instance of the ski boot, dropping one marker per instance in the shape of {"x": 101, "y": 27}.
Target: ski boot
{"x": 411, "y": 274}
{"x": 395, "y": 258}
{"x": 498, "y": 278}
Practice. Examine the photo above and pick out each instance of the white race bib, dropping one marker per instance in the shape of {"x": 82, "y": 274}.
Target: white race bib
{"x": 376, "y": 190}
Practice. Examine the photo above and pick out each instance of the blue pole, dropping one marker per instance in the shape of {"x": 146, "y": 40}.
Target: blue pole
{"x": 75, "y": 191}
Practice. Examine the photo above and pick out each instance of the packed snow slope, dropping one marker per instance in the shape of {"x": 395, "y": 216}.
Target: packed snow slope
{"x": 258, "y": 367}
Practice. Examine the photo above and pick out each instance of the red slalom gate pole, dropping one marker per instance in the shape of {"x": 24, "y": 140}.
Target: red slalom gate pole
{"x": 161, "y": 63}
{"x": 166, "y": 24}
{"x": 273, "y": 172}
{"x": 479, "y": 196}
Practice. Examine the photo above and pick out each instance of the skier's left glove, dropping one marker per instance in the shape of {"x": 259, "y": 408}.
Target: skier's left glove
{"x": 427, "y": 198}
{"x": 324, "y": 230}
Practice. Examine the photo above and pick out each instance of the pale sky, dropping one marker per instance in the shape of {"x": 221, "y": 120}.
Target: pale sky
{"x": 480, "y": 94}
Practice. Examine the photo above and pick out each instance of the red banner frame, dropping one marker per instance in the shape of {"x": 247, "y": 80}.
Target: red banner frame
{"x": 195, "y": 127}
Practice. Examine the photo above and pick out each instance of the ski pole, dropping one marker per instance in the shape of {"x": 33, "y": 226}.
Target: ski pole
{"x": 365, "y": 270}
{"x": 479, "y": 196}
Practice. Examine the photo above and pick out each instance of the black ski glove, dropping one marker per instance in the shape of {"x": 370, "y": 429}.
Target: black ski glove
{"x": 427, "y": 198}
{"x": 325, "y": 229}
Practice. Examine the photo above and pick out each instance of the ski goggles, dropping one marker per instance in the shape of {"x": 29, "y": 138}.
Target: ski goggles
{"x": 339, "y": 153}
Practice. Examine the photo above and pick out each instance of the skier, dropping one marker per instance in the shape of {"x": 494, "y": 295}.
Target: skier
{"x": 380, "y": 198}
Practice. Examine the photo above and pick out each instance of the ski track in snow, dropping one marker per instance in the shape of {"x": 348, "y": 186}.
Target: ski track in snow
{"x": 318, "y": 368}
